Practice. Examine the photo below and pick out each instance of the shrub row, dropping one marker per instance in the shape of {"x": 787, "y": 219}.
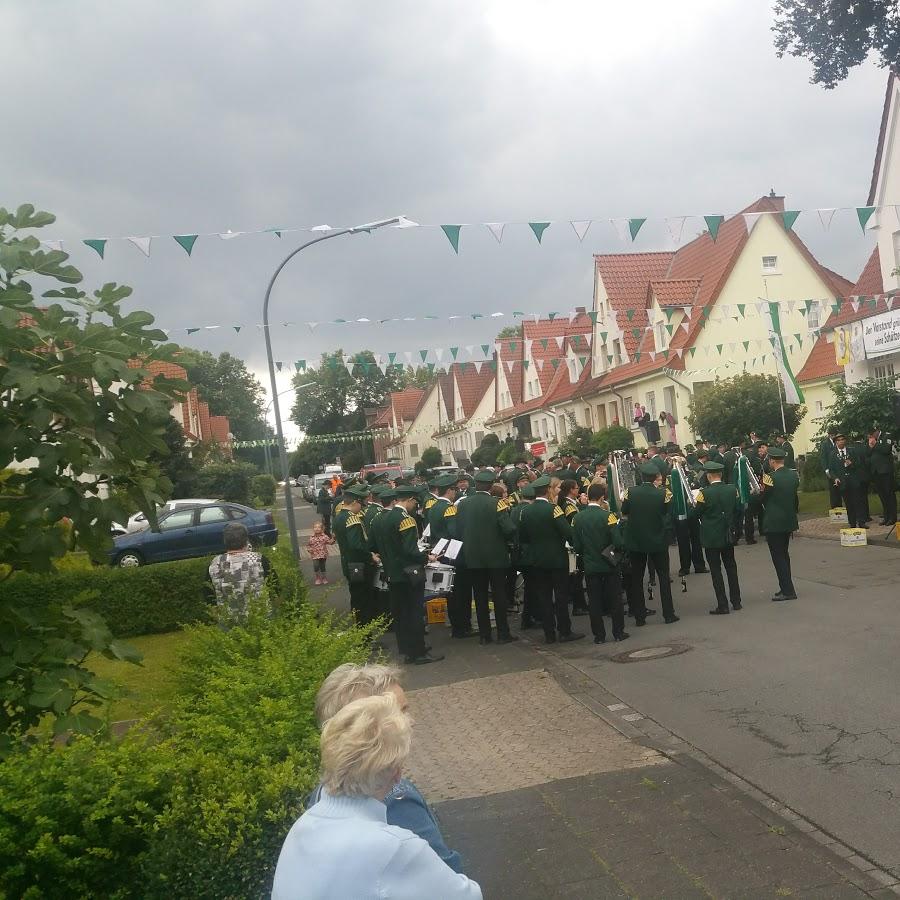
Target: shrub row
{"x": 196, "y": 805}
{"x": 144, "y": 600}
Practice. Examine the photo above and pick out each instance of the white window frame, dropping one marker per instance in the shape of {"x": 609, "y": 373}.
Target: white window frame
{"x": 617, "y": 352}
{"x": 814, "y": 320}
{"x": 669, "y": 394}
{"x": 629, "y": 405}
{"x": 772, "y": 268}
{"x": 650, "y": 404}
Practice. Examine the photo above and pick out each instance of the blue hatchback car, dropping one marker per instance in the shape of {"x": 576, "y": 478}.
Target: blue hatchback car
{"x": 189, "y": 532}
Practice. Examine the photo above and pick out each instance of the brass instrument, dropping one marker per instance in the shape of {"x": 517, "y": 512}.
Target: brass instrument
{"x": 678, "y": 464}
{"x": 753, "y": 484}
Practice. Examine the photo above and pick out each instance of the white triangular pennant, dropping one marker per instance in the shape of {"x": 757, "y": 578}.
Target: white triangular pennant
{"x": 889, "y": 302}
{"x": 470, "y": 349}
{"x": 478, "y": 363}
{"x": 790, "y": 305}
{"x": 825, "y": 216}
{"x": 408, "y": 355}
{"x": 750, "y": 220}
{"x": 142, "y": 243}
{"x": 52, "y": 245}
{"x": 686, "y": 326}
{"x": 581, "y": 228}
{"x": 678, "y": 352}
{"x": 405, "y": 223}
{"x": 321, "y": 228}
{"x": 496, "y": 229}
{"x": 438, "y": 353}
{"x": 228, "y": 235}
{"x": 540, "y": 365}
{"x": 621, "y": 226}
{"x": 854, "y": 302}
{"x": 675, "y": 226}
{"x": 706, "y": 350}
{"x": 653, "y": 354}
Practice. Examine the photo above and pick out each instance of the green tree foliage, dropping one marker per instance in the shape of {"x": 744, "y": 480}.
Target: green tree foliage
{"x": 485, "y": 454}
{"x": 729, "y": 410}
{"x": 836, "y": 35}
{"x": 229, "y": 388}
{"x": 812, "y": 476}
{"x": 579, "y": 440}
{"x": 859, "y": 407}
{"x": 178, "y": 464}
{"x": 263, "y": 488}
{"x": 616, "y": 437}
{"x": 510, "y": 332}
{"x": 226, "y": 481}
{"x": 355, "y": 456}
{"x": 335, "y": 399}
{"x": 431, "y": 457}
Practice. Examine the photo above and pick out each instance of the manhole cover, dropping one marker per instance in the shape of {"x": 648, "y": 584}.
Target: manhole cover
{"x": 650, "y": 653}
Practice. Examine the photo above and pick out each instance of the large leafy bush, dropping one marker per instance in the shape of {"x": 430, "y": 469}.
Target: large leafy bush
{"x": 193, "y": 806}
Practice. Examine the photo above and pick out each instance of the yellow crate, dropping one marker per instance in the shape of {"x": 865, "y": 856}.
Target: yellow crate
{"x": 853, "y": 537}
{"x": 838, "y": 514}
{"x": 436, "y": 610}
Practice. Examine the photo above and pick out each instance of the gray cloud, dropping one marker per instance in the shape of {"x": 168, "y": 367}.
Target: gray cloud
{"x": 169, "y": 118}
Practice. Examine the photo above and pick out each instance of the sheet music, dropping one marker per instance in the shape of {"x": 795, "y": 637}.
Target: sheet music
{"x": 440, "y": 547}
{"x": 453, "y": 548}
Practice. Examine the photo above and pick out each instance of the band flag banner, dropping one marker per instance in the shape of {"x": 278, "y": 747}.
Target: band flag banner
{"x": 792, "y": 391}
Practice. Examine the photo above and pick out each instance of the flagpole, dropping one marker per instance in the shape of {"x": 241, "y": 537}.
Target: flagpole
{"x": 282, "y": 452}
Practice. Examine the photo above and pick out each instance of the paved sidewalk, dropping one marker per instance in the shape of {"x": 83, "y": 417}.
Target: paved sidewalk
{"x": 549, "y": 787}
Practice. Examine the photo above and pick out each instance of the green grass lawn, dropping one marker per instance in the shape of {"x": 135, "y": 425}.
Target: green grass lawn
{"x": 148, "y": 685}
{"x": 814, "y": 504}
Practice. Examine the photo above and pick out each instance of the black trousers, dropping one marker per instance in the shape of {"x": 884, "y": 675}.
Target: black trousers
{"x": 406, "y": 611}
{"x": 459, "y": 609}
{"x": 551, "y": 589}
{"x": 362, "y": 601}
{"x": 752, "y": 512}
{"x": 326, "y": 523}
{"x": 482, "y": 580}
{"x": 852, "y": 495}
{"x": 864, "y": 500}
{"x": 884, "y": 484}
{"x": 717, "y": 557}
{"x": 512, "y": 573}
{"x": 576, "y": 588}
{"x": 779, "y": 550}
{"x": 690, "y": 550}
{"x": 604, "y": 592}
{"x": 834, "y": 495}
{"x": 636, "y": 600}
{"x": 531, "y": 610}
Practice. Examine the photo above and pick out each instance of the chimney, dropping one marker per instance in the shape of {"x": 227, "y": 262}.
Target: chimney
{"x": 582, "y": 311}
{"x": 777, "y": 200}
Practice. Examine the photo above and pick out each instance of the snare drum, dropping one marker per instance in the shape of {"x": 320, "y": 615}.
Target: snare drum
{"x": 379, "y": 579}
{"x": 439, "y": 578}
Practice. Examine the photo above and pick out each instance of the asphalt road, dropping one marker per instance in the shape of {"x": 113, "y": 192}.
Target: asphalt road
{"x": 798, "y": 698}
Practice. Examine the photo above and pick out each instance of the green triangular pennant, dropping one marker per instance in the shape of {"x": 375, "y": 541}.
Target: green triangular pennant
{"x": 452, "y": 232}
{"x": 423, "y": 354}
{"x": 863, "y": 213}
{"x": 665, "y": 354}
{"x": 746, "y": 345}
{"x": 454, "y": 351}
{"x": 740, "y": 308}
{"x": 670, "y": 329}
{"x": 552, "y": 316}
{"x": 430, "y": 367}
{"x": 629, "y": 314}
{"x": 98, "y": 244}
{"x": 583, "y": 360}
{"x": 635, "y": 332}
{"x": 669, "y": 313}
{"x": 526, "y": 363}
{"x": 555, "y": 362}
{"x": 485, "y": 349}
{"x": 512, "y": 346}
{"x": 704, "y": 314}
{"x": 237, "y": 328}
{"x": 392, "y": 357}
{"x": 788, "y": 217}
{"x": 634, "y": 226}
{"x": 692, "y": 351}
{"x": 637, "y": 355}
{"x": 543, "y": 342}
{"x": 593, "y": 316}
{"x": 192, "y": 330}
{"x": 278, "y": 366}
{"x": 719, "y": 348}
{"x": 603, "y": 336}
{"x": 186, "y": 241}
{"x": 538, "y": 228}
{"x": 836, "y": 306}
{"x": 713, "y": 223}
{"x": 300, "y": 365}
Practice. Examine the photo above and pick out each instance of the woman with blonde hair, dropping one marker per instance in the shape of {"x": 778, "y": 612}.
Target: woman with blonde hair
{"x": 343, "y": 846}
{"x": 406, "y": 807}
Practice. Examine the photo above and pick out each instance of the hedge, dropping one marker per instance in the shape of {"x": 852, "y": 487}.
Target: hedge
{"x": 142, "y": 600}
{"x": 193, "y": 805}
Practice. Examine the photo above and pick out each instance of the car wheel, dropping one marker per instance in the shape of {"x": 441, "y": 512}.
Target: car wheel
{"x": 129, "y": 560}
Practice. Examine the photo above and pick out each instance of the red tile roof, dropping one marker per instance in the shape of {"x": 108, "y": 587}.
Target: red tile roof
{"x": 511, "y": 353}
{"x": 820, "y": 363}
{"x": 561, "y": 335}
{"x": 869, "y": 283}
{"x": 675, "y": 291}
{"x": 405, "y": 404}
{"x": 472, "y": 385}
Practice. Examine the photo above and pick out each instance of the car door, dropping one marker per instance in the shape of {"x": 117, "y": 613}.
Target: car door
{"x": 210, "y": 524}
{"x": 174, "y": 538}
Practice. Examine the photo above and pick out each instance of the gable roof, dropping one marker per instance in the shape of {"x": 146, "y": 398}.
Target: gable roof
{"x": 405, "y": 403}
{"x": 675, "y": 291}
{"x": 472, "y": 386}
{"x": 893, "y": 74}
{"x": 820, "y": 363}
{"x": 510, "y": 355}
{"x": 869, "y": 283}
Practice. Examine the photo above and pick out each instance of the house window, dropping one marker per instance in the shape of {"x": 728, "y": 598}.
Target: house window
{"x": 587, "y": 417}
{"x": 884, "y": 373}
{"x": 614, "y": 414}
{"x": 661, "y": 336}
{"x": 413, "y": 450}
{"x": 818, "y": 406}
{"x": 617, "y": 352}
{"x": 629, "y": 410}
{"x": 651, "y": 404}
{"x": 563, "y": 431}
{"x": 770, "y": 265}
{"x": 814, "y": 316}
{"x": 601, "y": 416}
{"x": 671, "y": 404}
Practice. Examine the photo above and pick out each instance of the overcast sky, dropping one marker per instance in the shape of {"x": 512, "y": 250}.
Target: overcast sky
{"x": 170, "y": 118}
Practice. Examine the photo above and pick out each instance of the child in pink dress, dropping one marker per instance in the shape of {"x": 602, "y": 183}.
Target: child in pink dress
{"x": 318, "y": 549}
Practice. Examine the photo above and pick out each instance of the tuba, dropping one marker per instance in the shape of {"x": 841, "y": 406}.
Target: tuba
{"x": 753, "y": 485}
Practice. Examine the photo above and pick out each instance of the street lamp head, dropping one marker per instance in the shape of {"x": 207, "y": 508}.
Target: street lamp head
{"x": 371, "y": 226}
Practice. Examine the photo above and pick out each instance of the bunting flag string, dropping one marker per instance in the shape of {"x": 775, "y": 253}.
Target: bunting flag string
{"x": 627, "y": 228}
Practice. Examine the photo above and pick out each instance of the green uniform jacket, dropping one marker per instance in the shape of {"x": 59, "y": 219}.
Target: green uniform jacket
{"x": 647, "y": 508}
{"x": 370, "y": 514}
{"x": 377, "y": 530}
{"x": 485, "y": 529}
{"x": 717, "y": 504}
{"x": 789, "y": 461}
{"x": 436, "y": 521}
{"x": 544, "y": 530}
{"x": 356, "y": 541}
{"x": 570, "y": 508}
{"x": 854, "y": 474}
{"x": 781, "y": 501}
{"x": 339, "y": 530}
{"x": 520, "y": 555}
{"x": 401, "y": 544}
{"x": 729, "y": 460}
{"x": 594, "y": 530}
{"x": 881, "y": 460}
{"x": 826, "y": 457}
{"x": 662, "y": 465}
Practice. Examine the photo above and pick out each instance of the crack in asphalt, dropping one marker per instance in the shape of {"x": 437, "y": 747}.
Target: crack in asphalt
{"x": 836, "y": 753}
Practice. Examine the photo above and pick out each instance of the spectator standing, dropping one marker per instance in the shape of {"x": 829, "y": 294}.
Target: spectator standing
{"x": 239, "y": 574}
{"x": 323, "y": 507}
{"x": 318, "y": 550}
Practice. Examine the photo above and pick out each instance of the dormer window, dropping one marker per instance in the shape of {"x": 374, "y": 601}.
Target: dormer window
{"x": 770, "y": 265}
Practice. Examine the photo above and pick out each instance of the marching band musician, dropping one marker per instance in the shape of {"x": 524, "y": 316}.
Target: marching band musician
{"x": 687, "y": 526}
{"x": 781, "y": 503}
{"x": 569, "y": 491}
{"x": 716, "y": 506}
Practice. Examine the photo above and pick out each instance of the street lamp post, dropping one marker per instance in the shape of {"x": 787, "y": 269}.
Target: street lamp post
{"x": 279, "y": 434}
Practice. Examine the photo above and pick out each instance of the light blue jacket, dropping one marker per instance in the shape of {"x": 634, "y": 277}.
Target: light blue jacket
{"x": 343, "y": 848}
{"x": 406, "y": 808}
